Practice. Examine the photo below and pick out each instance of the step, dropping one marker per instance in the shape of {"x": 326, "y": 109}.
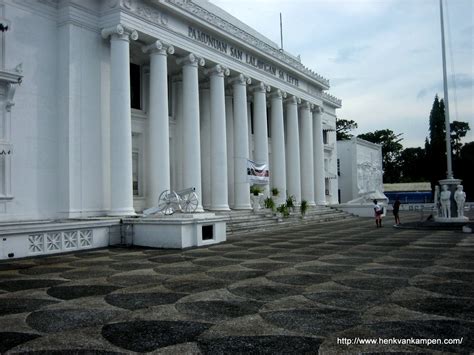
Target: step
{"x": 241, "y": 222}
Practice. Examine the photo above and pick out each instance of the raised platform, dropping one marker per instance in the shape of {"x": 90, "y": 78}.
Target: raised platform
{"x": 31, "y": 238}
{"x": 178, "y": 231}
{"x": 43, "y": 237}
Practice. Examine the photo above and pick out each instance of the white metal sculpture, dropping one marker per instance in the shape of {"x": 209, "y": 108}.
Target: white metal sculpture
{"x": 170, "y": 201}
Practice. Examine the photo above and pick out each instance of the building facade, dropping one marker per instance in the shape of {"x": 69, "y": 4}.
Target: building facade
{"x": 116, "y": 101}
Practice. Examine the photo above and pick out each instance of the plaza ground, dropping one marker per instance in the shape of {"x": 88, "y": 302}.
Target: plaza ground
{"x": 316, "y": 288}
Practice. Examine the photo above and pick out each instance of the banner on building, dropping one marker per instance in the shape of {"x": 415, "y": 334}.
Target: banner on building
{"x": 257, "y": 173}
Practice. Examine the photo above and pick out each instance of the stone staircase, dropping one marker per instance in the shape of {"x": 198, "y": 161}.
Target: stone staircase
{"x": 241, "y": 222}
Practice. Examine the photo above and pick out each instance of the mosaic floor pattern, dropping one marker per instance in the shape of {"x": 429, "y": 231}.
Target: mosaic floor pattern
{"x": 309, "y": 290}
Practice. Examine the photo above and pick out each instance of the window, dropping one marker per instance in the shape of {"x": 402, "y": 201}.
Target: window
{"x": 135, "y": 174}
{"x": 135, "y": 86}
{"x": 325, "y": 137}
{"x": 251, "y": 117}
{"x": 5, "y": 166}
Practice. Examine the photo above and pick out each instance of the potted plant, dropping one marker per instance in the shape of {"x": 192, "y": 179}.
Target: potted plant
{"x": 255, "y": 196}
{"x": 269, "y": 203}
{"x": 275, "y": 191}
{"x": 303, "y": 208}
{"x": 290, "y": 203}
{"x": 282, "y": 211}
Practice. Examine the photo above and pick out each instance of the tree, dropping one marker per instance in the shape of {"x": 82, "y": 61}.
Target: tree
{"x": 342, "y": 129}
{"x": 413, "y": 165}
{"x": 391, "y": 149}
{"x": 464, "y": 169}
{"x": 458, "y": 131}
{"x": 435, "y": 146}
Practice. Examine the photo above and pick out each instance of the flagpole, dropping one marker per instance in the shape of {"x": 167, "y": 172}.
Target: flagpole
{"x": 446, "y": 102}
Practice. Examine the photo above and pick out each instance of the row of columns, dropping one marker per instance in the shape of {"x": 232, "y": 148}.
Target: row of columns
{"x": 303, "y": 138}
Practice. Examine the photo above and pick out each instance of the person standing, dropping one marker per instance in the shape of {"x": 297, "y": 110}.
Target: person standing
{"x": 396, "y": 210}
{"x": 378, "y": 211}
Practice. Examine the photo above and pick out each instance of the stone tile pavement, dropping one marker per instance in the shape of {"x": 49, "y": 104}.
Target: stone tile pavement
{"x": 323, "y": 288}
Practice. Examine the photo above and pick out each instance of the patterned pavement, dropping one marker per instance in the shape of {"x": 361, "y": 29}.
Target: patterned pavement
{"x": 311, "y": 289}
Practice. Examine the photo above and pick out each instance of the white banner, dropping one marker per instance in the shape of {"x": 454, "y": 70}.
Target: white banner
{"x": 257, "y": 173}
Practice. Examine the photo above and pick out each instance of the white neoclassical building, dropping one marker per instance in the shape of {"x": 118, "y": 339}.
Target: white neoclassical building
{"x": 122, "y": 99}
{"x": 107, "y": 103}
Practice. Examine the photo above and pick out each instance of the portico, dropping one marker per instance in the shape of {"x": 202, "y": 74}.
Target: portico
{"x": 199, "y": 122}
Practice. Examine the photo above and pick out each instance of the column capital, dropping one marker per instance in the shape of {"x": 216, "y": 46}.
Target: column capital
{"x": 240, "y": 79}
{"x": 191, "y": 59}
{"x": 293, "y": 100}
{"x": 317, "y": 109}
{"x": 260, "y": 87}
{"x": 120, "y": 32}
{"x": 218, "y": 70}
{"x": 158, "y": 47}
{"x": 278, "y": 94}
{"x": 305, "y": 105}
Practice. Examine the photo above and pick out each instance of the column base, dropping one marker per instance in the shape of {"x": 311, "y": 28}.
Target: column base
{"x": 311, "y": 203}
{"x": 242, "y": 207}
{"x": 321, "y": 203}
{"x": 219, "y": 208}
{"x": 121, "y": 212}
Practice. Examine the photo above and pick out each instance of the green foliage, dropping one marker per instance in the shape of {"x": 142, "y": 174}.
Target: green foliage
{"x": 413, "y": 167}
{"x": 255, "y": 190}
{"x": 304, "y": 207}
{"x": 275, "y": 191}
{"x": 290, "y": 201}
{"x": 284, "y": 210}
{"x": 343, "y": 127}
{"x": 435, "y": 146}
{"x": 463, "y": 166}
{"x": 391, "y": 150}
{"x": 269, "y": 203}
{"x": 458, "y": 131}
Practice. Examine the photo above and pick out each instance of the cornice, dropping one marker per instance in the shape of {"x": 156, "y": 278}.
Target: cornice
{"x": 140, "y": 9}
{"x": 203, "y": 14}
{"x": 45, "y": 8}
{"x": 331, "y": 99}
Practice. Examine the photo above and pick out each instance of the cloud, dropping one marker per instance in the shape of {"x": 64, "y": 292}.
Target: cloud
{"x": 460, "y": 81}
{"x": 464, "y": 81}
{"x": 349, "y": 54}
{"x": 342, "y": 81}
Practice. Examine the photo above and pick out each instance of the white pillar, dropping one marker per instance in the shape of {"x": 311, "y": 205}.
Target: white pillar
{"x": 219, "y": 191}
{"x": 205, "y": 113}
{"x": 177, "y": 162}
{"x": 121, "y": 200}
{"x": 191, "y": 139}
{"x": 241, "y": 143}
{"x": 318, "y": 149}
{"x": 229, "y": 125}
{"x": 260, "y": 130}
{"x": 306, "y": 154}
{"x": 249, "y": 125}
{"x": 158, "y": 126}
{"x": 293, "y": 179}
{"x": 278, "y": 173}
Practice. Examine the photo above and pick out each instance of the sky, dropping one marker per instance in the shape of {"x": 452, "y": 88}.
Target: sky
{"x": 382, "y": 57}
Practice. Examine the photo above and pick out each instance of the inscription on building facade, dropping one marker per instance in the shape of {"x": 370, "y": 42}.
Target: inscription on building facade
{"x": 240, "y": 55}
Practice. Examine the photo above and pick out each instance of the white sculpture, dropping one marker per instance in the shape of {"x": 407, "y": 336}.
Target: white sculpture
{"x": 445, "y": 201}
{"x": 460, "y": 198}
